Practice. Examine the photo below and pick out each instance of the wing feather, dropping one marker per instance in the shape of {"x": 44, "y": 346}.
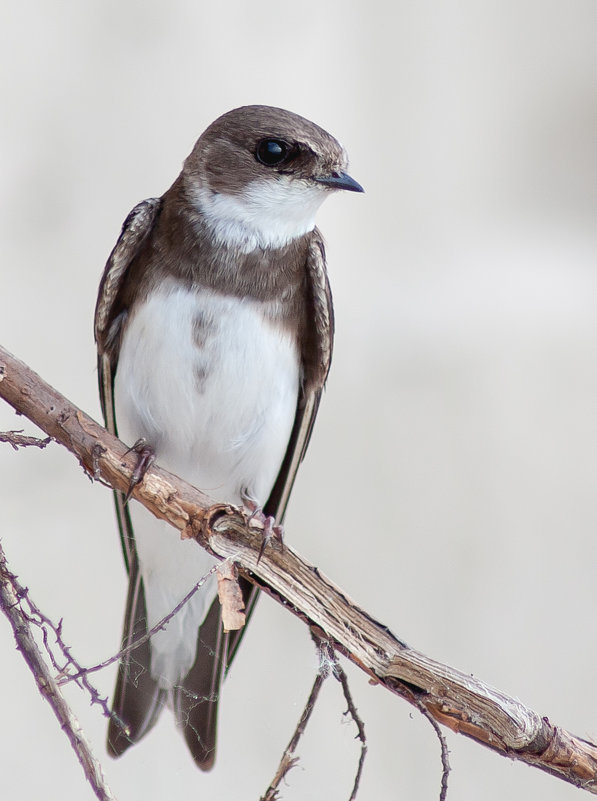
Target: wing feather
{"x": 107, "y": 326}
{"x": 137, "y": 697}
{"x": 321, "y": 330}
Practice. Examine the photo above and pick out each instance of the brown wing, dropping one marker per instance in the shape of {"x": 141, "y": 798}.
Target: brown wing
{"x": 137, "y": 698}
{"x": 108, "y": 326}
{"x": 317, "y": 357}
{"x": 316, "y": 365}
{"x": 135, "y": 230}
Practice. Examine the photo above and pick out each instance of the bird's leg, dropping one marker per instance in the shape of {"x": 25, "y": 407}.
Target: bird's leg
{"x": 270, "y": 528}
{"x": 251, "y": 504}
{"x": 146, "y": 458}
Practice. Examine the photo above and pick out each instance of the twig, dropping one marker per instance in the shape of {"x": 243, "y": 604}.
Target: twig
{"x": 452, "y": 697}
{"x": 19, "y": 440}
{"x": 37, "y": 618}
{"x": 288, "y": 761}
{"x": 443, "y": 792}
{"x": 9, "y": 602}
{"x": 81, "y": 675}
{"x": 81, "y": 672}
{"x": 328, "y": 663}
{"x": 340, "y": 675}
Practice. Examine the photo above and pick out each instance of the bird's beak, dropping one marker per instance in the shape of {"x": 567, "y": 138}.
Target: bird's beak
{"x": 340, "y": 180}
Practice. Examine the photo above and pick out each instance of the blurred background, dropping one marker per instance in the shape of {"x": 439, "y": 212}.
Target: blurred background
{"x": 450, "y": 483}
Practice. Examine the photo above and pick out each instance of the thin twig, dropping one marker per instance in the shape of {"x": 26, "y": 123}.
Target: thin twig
{"x": 443, "y": 793}
{"x": 21, "y": 626}
{"x": 36, "y": 617}
{"x": 19, "y": 440}
{"x": 340, "y": 675}
{"x": 161, "y": 624}
{"x": 288, "y": 761}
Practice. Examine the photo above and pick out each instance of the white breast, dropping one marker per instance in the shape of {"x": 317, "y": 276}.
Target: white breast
{"x": 213, "y": 386}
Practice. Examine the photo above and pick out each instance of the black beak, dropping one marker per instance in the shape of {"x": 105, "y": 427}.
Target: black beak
{"x": 340, "y": 180}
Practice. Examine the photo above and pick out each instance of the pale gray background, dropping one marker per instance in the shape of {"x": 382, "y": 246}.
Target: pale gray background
{"x": 450, "y": 485}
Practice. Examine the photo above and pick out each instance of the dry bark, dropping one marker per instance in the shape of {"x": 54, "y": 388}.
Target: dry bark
{"x": 454, "y": 699}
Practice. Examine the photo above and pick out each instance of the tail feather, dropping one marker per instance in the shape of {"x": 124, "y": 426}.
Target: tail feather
{"x": 138, "y": 700}
{"x": 195, "y": 700}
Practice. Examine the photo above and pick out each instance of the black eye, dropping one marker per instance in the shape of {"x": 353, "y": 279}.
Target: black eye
{"x": 272, "y": 152}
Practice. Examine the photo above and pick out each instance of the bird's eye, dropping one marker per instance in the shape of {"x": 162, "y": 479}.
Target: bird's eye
{"x": 272, "y": 152}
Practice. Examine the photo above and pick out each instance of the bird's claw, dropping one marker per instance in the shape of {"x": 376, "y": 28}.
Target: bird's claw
{"x": 270, "y": 531}
{"x": 146, "y": 458}
{"x": 266, "y": 522}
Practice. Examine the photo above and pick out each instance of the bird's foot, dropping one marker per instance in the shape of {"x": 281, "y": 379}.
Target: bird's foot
{"x": 266, "y": 522}
{"x": 270, "y": 531}
{"x": 250, "y": 503}
{"x": 146, "y": 456}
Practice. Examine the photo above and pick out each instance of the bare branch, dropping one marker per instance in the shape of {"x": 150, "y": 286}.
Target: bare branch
{"x": 35, "y": 617}
{"x": 16, "y": 439}
{"x": 443, "y": 791}
{"x": 9, "y": 602}
{"x": 452, "y": 698}
{"x": 288, "y": 760}
{"x": 339, "y": 674}
{"x": 328, "y": 663}
{"x": 81, "y": 672}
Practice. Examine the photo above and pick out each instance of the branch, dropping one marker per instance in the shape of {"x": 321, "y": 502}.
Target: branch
{"x": 9, "y": 603}
{"x": 330, "y": 662}
{"x": 288, "y": 760}
{"x": 452, "y": 698}
{"x": 16, "y": 439}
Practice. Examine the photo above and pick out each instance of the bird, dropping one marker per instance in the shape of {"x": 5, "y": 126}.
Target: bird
{"x": 214, "y": 329}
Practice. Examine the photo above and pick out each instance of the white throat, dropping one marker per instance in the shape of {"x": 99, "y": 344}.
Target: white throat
{"x": 266, "y": 214}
